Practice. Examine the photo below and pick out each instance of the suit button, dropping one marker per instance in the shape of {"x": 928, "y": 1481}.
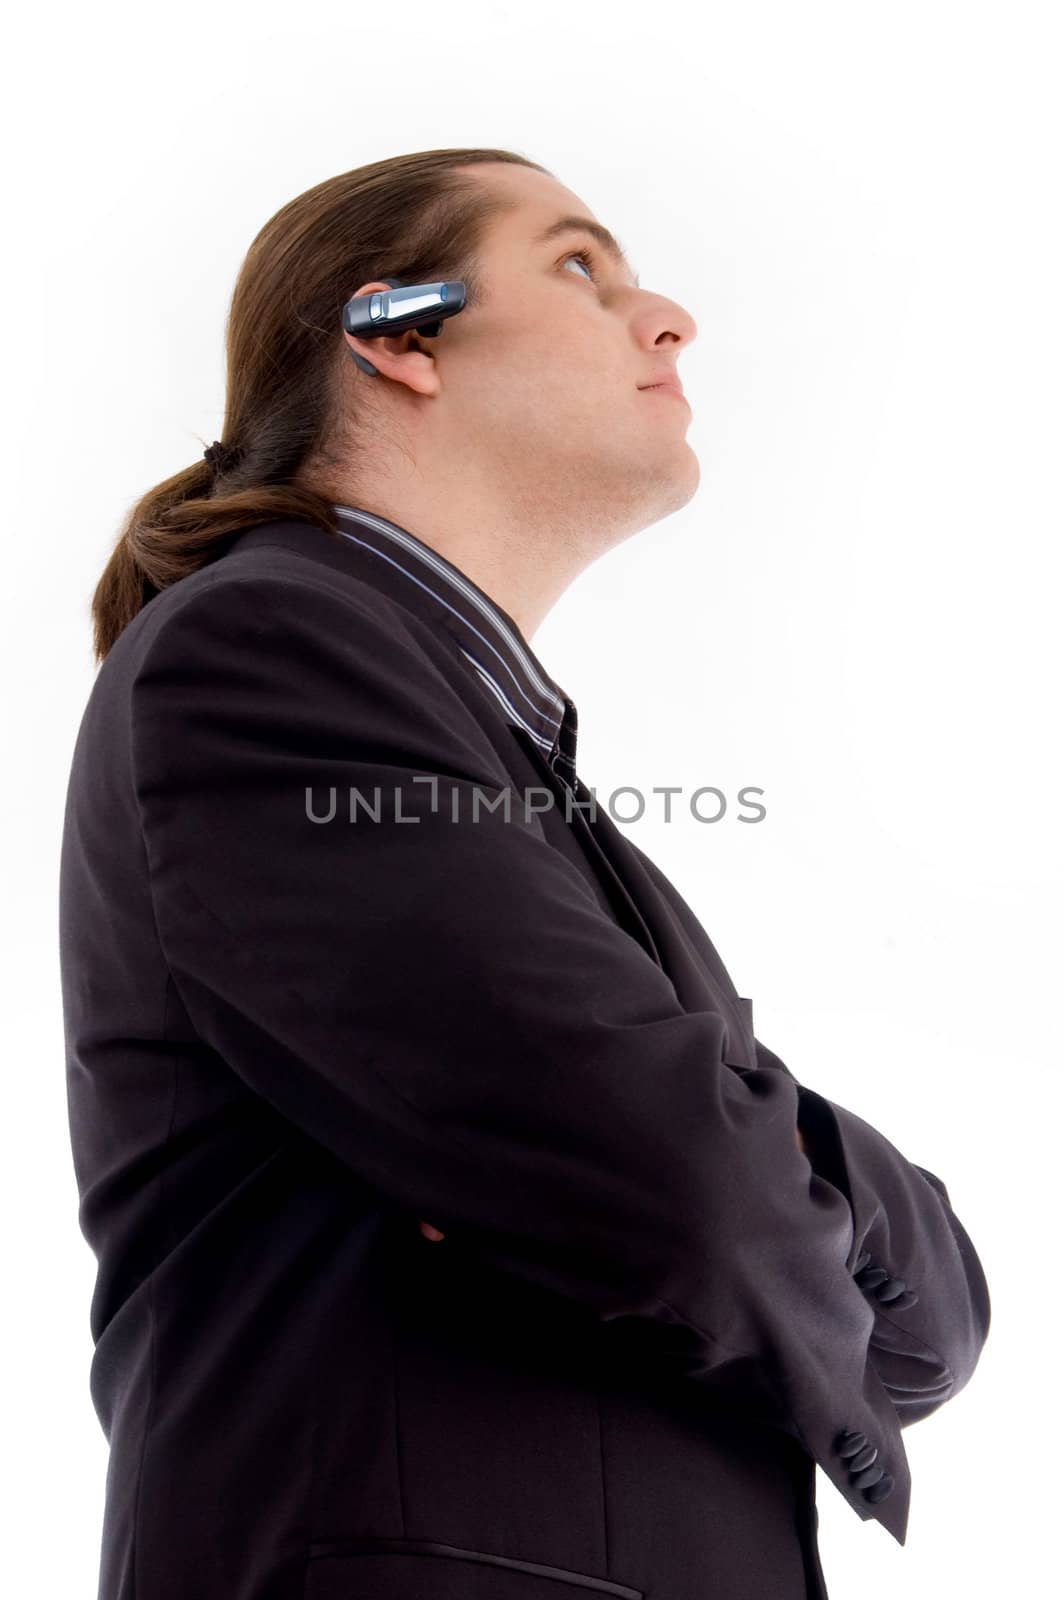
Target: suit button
{"x": 907, "y": 1298}
{"x": 880, "y": 1490}
{"x": 863, "y": 1458}
{"x": 848, "y": 1443}
{"x": 890, "y": 1290}
{"x": 872, "y": 1277}
{"x": 862, "y": 1260}
{"x": 869, "y": 1476}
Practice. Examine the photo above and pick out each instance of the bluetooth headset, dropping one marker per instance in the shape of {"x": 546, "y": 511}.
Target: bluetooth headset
{"x": 420, "y": 305}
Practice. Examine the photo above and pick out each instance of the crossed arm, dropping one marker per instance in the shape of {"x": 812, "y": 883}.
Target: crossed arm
{"x": 429, "y": 1232}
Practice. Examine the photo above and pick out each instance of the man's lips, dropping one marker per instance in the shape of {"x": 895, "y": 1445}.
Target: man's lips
{"x": 665, "y": 378}
{"x": 666, "y": 386}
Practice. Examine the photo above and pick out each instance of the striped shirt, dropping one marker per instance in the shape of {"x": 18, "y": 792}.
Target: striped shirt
{"x": 488, "y": 637}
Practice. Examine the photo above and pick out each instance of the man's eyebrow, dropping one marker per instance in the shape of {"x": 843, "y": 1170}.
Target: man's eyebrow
{"x": 602, "y": 235}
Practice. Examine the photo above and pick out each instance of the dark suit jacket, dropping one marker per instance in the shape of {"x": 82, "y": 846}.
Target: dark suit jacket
{"x": 288, "y": 1040}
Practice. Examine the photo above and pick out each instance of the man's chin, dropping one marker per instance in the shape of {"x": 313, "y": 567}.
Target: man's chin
{"x": 680, "y": 480}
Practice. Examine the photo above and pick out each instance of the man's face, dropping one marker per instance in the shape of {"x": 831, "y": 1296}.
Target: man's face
{"x": 539, "y": 394}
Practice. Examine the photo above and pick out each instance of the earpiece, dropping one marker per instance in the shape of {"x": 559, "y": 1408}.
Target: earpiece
{"x": 420, "y": 305}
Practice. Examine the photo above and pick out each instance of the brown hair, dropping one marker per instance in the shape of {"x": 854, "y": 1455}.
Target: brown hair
{"x": 415, "y": 217}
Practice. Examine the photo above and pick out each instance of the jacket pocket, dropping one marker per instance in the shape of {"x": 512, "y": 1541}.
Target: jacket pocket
{"x": 378, "y": 1568}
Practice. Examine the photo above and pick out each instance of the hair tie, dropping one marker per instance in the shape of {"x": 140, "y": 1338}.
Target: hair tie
{"x": 219, "y": 456}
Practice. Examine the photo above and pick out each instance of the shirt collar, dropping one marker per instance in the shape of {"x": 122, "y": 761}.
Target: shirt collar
{"x": 488, "y": 637}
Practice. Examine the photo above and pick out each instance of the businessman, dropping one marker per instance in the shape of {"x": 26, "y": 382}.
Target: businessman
{"x": 458, "y": 1238}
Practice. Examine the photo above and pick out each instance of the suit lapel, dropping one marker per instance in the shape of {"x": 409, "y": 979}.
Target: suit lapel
{"x": 624, "y": 906}
{"x": 642, "y": 909}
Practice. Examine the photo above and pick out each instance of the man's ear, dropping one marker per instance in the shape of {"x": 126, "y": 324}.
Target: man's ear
{"x": 402, "y": 357}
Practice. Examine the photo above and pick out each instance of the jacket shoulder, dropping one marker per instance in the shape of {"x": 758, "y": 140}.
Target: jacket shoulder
{"x": 284, "y": 585}
{"x": 273, "y": 641}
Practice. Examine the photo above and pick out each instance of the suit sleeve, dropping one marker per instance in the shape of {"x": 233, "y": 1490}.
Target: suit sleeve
{"x": 910, "y": 1255}
{"x": 442, "y": 1003}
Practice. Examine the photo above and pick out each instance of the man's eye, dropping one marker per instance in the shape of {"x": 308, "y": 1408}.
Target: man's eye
{"x": 587, "y": 258}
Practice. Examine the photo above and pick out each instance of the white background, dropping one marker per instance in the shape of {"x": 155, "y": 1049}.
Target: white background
{"x": 858, "y": 612}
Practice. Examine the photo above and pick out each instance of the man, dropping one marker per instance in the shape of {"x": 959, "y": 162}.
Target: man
{"x": 491, "y": 1256}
